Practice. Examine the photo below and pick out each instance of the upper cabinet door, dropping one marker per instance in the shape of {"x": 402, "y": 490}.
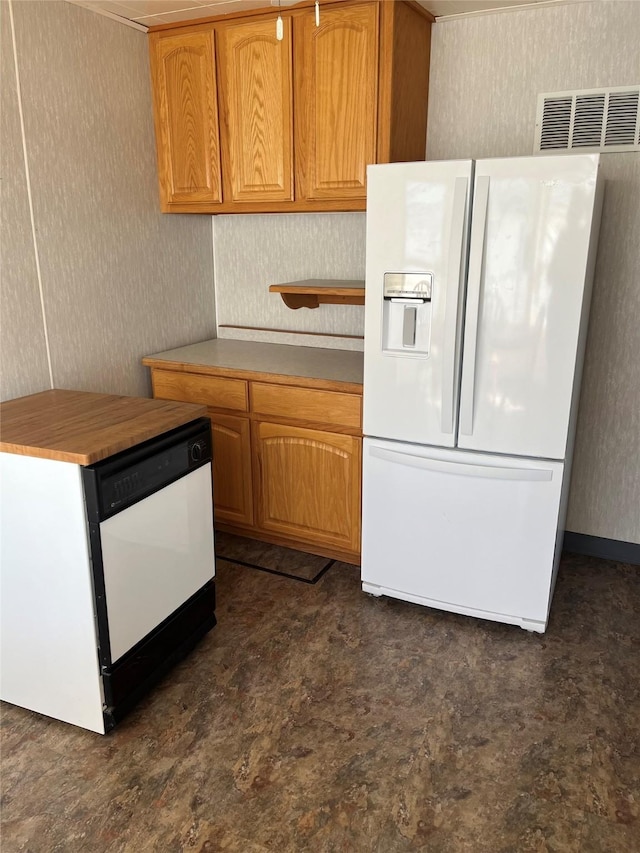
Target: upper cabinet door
{"x": 256, "y": 106}
{"x": 336, "y": 91}
{"x": 186, "y": 113}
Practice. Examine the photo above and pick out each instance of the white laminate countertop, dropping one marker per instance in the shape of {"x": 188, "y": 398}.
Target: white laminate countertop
{"x": 262, "y": 358}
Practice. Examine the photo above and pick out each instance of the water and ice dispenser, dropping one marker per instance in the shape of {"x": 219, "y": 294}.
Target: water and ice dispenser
{"x": 407, "y": 313}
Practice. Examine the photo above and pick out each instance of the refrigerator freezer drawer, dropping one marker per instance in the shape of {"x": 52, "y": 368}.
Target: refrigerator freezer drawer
{"x": 460, "y": 531}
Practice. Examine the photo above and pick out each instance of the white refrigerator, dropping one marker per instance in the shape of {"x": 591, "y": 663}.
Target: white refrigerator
{"x": 478, "y": 285}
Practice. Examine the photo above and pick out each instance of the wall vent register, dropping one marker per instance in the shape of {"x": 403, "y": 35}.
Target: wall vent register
{"x": 589, "y": 120}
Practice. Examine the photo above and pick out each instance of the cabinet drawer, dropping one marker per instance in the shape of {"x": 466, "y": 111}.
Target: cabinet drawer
{"x": 212, "y": 391}
{"x": 308, "y": 404}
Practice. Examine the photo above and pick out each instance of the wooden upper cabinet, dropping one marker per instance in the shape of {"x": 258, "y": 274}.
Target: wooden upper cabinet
{"x": 405, "y": 53}
{"x": 186, "y": 114}
{"x": 336, "y": 88}
{"x": 256, "y": 110}
{"x": 300, "y": 118}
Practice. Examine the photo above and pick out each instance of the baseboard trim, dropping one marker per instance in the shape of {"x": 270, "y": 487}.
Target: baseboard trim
{"x": 598, "y": 546}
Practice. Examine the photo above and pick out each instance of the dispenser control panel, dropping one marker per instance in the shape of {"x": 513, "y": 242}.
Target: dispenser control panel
{"x": 408, "y": 285}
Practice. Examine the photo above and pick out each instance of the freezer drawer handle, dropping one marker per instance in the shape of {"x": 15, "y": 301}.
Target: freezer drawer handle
{"x": 462, "y": 469}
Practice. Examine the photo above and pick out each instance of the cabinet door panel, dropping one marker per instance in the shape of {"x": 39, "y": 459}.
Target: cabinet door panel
{"x": 186, "y": 117}
{"x": 232, "y": 492}
{"x": 309, "y": 484}
{"x": 256, "y": 99}
{"x": 336, "y": 66}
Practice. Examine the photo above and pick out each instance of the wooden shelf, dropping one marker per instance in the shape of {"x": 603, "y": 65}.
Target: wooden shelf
{"x": 316, "y": 291}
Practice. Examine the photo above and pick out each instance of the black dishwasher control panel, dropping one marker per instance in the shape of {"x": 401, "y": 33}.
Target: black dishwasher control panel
{"x": 128, "y": 477}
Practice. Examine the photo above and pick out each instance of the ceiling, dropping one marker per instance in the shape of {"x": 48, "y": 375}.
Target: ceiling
{"x": 147, "y": 13}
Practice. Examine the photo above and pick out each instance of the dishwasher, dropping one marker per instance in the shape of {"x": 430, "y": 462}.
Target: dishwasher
{"x": 150, "y": 521}
{"x": 107, "y": 569}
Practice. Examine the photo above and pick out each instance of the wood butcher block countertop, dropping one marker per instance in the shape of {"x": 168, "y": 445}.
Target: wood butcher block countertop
{"x": 320, "y": 368}
{"x": 83, "y": 427}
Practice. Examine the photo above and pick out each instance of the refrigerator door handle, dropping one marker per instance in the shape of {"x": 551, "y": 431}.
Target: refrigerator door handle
{"x": 454, "y": 268}
{"x": 474, "y": 282}
{"x": 462, "y": 469}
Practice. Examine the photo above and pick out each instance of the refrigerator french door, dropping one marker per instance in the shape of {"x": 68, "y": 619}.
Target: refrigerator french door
{"x": 477, "y": 300}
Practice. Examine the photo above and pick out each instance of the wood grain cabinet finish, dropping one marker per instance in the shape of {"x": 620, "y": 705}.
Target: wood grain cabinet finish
{"x": 286, "y": 457}
{"x": 232, "y": 487}
{"x": 299, "y": 119}
{"x": 337, "y": 95}
{"x": 306, "y": 483}
{"x": 256, "y": 111}
{"x": 217, "y": 391}
{"x": 307, "y": 404}
{"x": 186, "y": 116}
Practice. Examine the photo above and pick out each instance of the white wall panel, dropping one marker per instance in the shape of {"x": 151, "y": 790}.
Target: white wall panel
{"x": 23, "y": 355}
{"x": 252, "y": 252}
{"x": 487, "y": 71}
{"x": 120, "y": 279}
{"x": 486, "y": 74}
{"x": 605, "y": 483}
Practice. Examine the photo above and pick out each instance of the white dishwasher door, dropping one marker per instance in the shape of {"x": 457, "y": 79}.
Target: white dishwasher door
{"x": 156, "y": 554}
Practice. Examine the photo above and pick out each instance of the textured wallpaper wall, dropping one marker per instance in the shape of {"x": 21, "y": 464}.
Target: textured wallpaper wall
{"x": 119, "y": 279}
{"x": 252, "y": 252}
{"x": 486, "y": 73}
{"x": 23, "y": 353}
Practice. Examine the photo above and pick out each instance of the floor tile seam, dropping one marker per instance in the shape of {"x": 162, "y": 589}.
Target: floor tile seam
{"x": 247, "y": 565}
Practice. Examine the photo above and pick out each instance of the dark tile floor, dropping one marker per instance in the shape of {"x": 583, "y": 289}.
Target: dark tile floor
{"x": 316, "y": 718}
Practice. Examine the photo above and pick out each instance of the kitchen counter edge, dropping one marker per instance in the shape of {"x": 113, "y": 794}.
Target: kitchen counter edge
{"x": 314, "y": 367}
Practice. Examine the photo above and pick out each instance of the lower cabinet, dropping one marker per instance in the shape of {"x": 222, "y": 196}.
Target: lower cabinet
{"x": 286, "y": 458}
{"x": 232, "y": 488}
{"x": 308, "y": 484}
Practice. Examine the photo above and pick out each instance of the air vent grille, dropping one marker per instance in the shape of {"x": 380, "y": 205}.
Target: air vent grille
{"x": 589, "y": 120}
{"x": 622, "y": 121}
{"x": 556, "y": 123}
